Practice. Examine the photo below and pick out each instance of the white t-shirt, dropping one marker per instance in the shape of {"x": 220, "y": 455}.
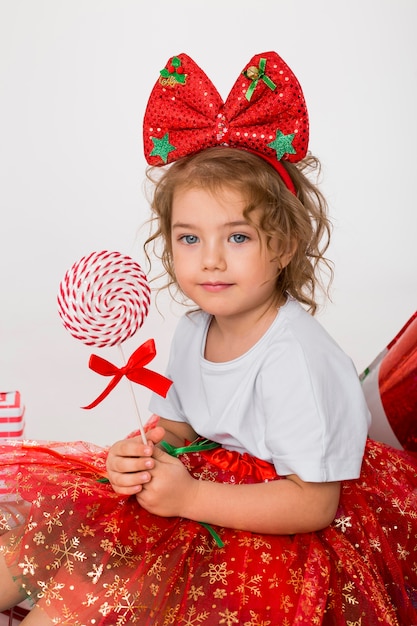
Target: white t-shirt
{"x": 294, "y": 399}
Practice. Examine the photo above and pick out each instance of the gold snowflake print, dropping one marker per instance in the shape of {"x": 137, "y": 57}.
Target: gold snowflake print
{"x": 111, "y": 526}
{"x": 157, "y": 568}
{"x": 286, "y": 603}
{"x": 96, "y": 573}
{"x": 134, "y": 537}
{"x": 92, "y": 510}
{"x": 343, "y": 523}
{"x": 256, "y": 620}
{"x": 274, "y": 582}
{"x": 39, "y": 539}
{"x": 86, "y": 531}
{"x": 4, "y": 521}
{"x": 50, "y": 590}
{"x": 266, "y": 557}
{"x": 28, "y": 565}
{"x": 90, "y": 600}
{"x": 348, "y": 593}
{"x": 192, "y": 618}
{"x": 171, "y": 616}
{"x": 195, "y": 592}
{"x": 402, "y": 552}
{"x": 218, "y": 573}
{"x": 229, "y": 618}
{"x": 252, "y": 585}
{"x": 106, "y": 545}
{"x": 67, "y": 553}
{"x": 53, "y": 519}
{"x": 154, "y": 589}
{"x": 297, "y": 579}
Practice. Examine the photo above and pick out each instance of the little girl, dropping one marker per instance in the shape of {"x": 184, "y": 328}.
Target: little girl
{"x": 258, "y": 499}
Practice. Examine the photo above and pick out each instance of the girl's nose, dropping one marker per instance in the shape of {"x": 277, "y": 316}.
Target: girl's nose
{"x": 213, "y": 258}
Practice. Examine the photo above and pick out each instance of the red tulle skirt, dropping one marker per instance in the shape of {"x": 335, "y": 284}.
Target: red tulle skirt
{"x": 90, "y": 557}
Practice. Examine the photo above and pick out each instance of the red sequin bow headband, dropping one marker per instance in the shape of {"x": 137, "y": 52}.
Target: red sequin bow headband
{"x": 264, "y": 113}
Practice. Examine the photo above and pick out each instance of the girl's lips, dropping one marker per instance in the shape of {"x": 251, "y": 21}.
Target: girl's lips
{"x": 214, "y": 287}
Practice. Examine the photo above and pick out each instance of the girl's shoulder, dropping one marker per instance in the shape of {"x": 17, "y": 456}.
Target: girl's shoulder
{"x": 190, "y": 330}
{"x": 193, "y": 321}
{"x": 302, "y": 328}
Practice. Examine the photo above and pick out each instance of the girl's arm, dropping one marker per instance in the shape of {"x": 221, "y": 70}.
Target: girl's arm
{"x": 164, "y": 487}
{"x": 284, "y": 507}
{"x": 177, "y": 433}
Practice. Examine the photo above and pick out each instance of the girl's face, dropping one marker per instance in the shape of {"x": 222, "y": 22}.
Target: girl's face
{"x": 221, "y": 261}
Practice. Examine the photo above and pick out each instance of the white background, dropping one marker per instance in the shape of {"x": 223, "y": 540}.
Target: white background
{"x": 75, "y": 76}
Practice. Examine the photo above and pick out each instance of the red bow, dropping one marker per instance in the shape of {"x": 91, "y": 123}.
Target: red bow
{"x": 265, "y": 112}
{"x": 134, "y": 370}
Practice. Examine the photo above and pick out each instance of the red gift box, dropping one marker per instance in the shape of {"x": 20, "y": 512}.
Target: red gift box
{"x": 12, "y": 414}
{"x": 390, "y": 387}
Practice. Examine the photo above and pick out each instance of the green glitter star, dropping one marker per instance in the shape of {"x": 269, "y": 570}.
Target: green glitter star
{"x": 282, "y": 144}
{"x": 162, "y": 147}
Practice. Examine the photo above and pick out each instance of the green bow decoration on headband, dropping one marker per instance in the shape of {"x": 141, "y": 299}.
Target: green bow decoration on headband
{"x": 255, "y": 74}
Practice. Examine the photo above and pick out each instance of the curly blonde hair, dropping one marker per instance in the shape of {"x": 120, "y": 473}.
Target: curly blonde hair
{"x": 297, "y": 221}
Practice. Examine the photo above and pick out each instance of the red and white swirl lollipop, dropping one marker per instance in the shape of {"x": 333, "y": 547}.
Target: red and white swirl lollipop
{"x": 103, "y": 300}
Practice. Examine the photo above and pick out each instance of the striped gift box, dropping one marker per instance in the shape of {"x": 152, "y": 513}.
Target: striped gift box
{"x": 12, "y": 423}
{"x": 12, "y": 414}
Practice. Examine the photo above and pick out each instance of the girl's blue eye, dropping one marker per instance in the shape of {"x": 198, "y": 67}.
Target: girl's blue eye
{"x": 190, "y": 239}
{"x": 239, "y": 238}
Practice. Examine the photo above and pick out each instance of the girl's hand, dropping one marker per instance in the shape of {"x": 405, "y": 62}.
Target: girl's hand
{"x": 129, "y": 462}
{"x": 171, "y": 489}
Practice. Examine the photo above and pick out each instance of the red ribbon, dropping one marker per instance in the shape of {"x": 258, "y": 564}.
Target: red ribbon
{"x": 134, "y": 370}
{"x": 185, "y": 114}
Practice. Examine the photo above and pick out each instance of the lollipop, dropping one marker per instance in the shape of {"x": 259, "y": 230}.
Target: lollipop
{"x": 103, "y": 300}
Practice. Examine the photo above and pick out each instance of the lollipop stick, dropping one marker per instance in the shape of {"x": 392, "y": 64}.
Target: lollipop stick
{"x": 141, "y": 429}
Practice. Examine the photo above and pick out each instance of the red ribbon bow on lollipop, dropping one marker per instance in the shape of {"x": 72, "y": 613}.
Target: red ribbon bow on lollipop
{"x": 134, "y": 370}
{"x": 264, "y": 113}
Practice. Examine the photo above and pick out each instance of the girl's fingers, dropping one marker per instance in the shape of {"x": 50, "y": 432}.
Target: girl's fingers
{"x": 128, "y": 465}
{"x": 129, "y": 462}
{"x": 127, "y": 484}
{"x": 127, "y": 491}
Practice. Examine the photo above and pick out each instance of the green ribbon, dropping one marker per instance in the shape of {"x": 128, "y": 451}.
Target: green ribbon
{"x": 198, "y": 446}
{"x": 261, "y": 76}
{"x": 216, "y": 537}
